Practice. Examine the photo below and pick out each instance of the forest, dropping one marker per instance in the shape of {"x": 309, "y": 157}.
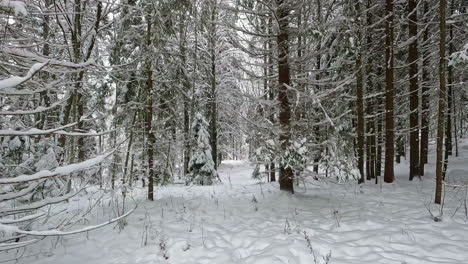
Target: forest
{"x": 234, "y": 131}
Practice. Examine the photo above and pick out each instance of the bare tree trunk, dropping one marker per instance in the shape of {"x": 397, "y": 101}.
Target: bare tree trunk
{"x": 360, "y": 95}
{"x": 317, "y": 78}
{"x": 284, "y": 79}
{"x": 424, "y": 101}
{"x": 46, "y": 52}
{"x": 413, "y": 58}
{"x": 151, "y": 141}
{"x": 271, "y": 92}
{"x": 455, "y": 126}
{"x": 450, "y": 98}
{"x": 186, "y": 85}
{"x": 442, "y": 97}
{"x": 379, "y": 143}
{"x": 213, "y": 96}
{"x": 389, "y": 176}
{"x": 370, "y": 108}
{"x": 129, "y": 149}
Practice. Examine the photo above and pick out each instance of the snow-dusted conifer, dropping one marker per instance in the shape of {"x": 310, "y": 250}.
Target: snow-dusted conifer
{"x": 201, "y": 166}
{"x": 296, "y": 156}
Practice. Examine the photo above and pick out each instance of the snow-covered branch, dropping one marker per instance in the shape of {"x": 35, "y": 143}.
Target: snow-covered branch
{"x": 55, "y": 131}
{"x": 35, "y": 57}
{"x": 14, "y": 81}
{"x": 55, "y": 232}
{"x": 13, "y": 92}
{"x": 21, "y": 193}
{"x": 32, "y": 131}
{"x": 60, "y": 171}
{"x": 10, "y": 246}
{"x": 22, "y": 219}
{"x": 39, "y": 109}
{"x": 38, "y": 204}
{"x": 18, "y": 6}
{"x": 80, "y": 134}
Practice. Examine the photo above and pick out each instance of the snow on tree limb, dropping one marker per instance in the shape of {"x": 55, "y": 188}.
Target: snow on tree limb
{"x": 55, "y": 232}
{"x": 79, "y": 134}
{"x": 39, "y": 58}
{"x": 22, "y": 219}
{"x": 39, "y": 109}
{"x": 33, "y": 131}
{"x": 23, "y": 192}
{"x": 10, "y": 246}
{"x": 38, "y": 204}
{"x": 12, "y": 92}
{"x": 18, "y": 6}
{"x": 60, "y": 171}
{"x": 14, "y": 81}
{"x": 55, "y": 131}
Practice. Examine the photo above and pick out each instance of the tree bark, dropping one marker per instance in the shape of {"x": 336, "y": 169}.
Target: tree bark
{"x": 389, "y": 176}
{"x": 442, "y": 97}
{"x": 151, "y": 141}
{"x": 413, "y": 58}
{"x": 186, "y": 85}
{"x": 213, "y": 97}
{"x": 360, "y": 96}
{"x": 284, "y": 78}
{"x": 370, "y": 108}
{"x": 271, "y": 92}
{"x": 450, "y": 98}
{"x": 424, "y": 101}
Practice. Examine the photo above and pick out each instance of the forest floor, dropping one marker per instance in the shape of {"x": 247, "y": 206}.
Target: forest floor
{"x": 243, "y": 221}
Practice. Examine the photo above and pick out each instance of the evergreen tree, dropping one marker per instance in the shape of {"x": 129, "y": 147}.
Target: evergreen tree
{"x": 201, "y": 166}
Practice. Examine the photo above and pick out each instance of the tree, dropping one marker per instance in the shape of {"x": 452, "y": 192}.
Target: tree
{"x": 284, "y": 81}
{"x": 201, "y": 166}
{"x": 360, "y": 93}
{"x": 424, "y": 143}
{"x": 151, "y": 138}
{"x": 389, "y": 176}
{"x": 35, "y": 173}
{"x": 413, "y": 89}
{"x": 441, "y": 102}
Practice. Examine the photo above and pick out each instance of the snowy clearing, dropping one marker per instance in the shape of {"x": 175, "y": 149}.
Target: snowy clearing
{"x": 242, "y": 221}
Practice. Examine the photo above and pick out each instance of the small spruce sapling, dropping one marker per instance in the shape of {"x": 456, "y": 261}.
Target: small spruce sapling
{"x": 265, "y": 154}
{"x": 201, "y": 166}
{"x": 296, "y": 156}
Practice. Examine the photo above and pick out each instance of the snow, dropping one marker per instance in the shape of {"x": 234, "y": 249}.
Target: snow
{"x": 23, "y": 192}
{"x": 34, "y": 131}
{"x": 39, "y": 109}
{"x": 23, "y": 219}
{"x": 244, "y": 221}
{"x": 33, "y": 56}
{"x": 54, "y": 232}
{"x": 14, "y": 81}
{"x": 59, "y": 171}
{"x": 18, "y": 6}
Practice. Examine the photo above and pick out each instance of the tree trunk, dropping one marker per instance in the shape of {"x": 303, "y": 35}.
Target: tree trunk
{"x": 271, "y": 91}
{"x": 442, "y": 97}
{"x": 389, "y": 176}
{"x": 213, "y": 97}
{"x": 360, "y": 96}
{"x": 317, "y": 78}
{"x": 450, "y": 98}
{"x": 284, "y": 79}
{"x": 186, "y": 85}
{"x": 455, "y": 126}
{"x": 46, "y": 52}
{"x": 370, "y": 108}
{"x": 424, "y": 101}
{"x": 413, "y": 89}
{"x": 151, "y": 141}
